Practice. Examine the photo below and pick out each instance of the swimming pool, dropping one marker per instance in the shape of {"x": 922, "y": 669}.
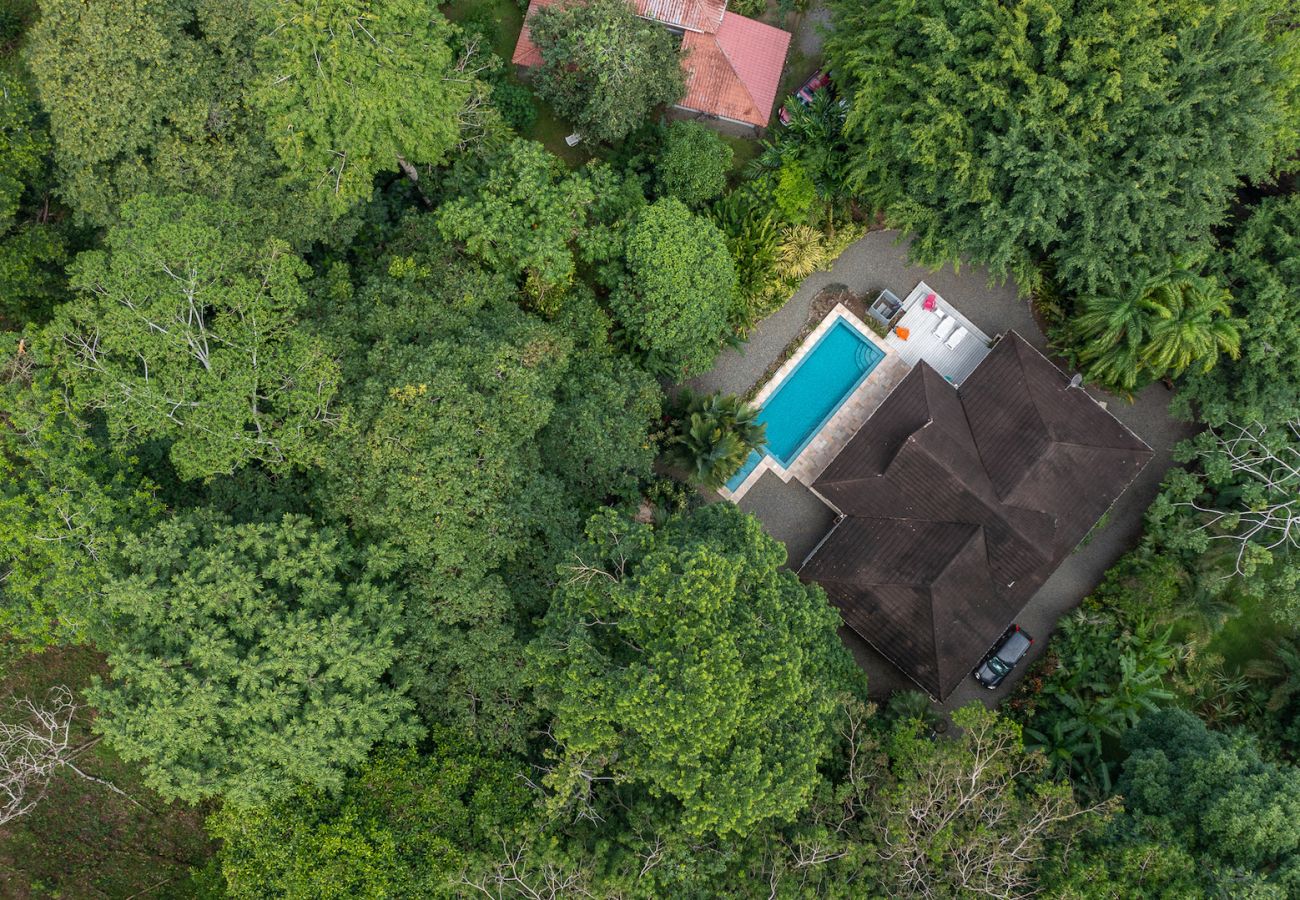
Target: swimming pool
{"x": 841, "y": 360}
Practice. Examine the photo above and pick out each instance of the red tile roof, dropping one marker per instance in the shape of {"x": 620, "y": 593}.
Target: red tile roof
{"x": 526, "y": 53}
{"x": 735, "y": 72}
{"x": 733, "y": 64}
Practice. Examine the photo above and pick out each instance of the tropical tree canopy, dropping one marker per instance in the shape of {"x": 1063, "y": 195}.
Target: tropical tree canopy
{"x": 1174, "y": 319}
{"x": 248, "y": 659}
{"x": 679, "y": 289}
{"x": 351, "y": 88}
{"x": 187, "y": 332}
{"x": 722, "y": 706}
{"x": 1087, "y": 133}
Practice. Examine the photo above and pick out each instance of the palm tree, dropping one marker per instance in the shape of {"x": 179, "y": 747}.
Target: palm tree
{"x": 712, "y": 435}
{"x": 1199, "y": 329}
{"x": 801, "y": 252}
{"x": 1280, "y": 670}
{"x": 1158, "y": 328}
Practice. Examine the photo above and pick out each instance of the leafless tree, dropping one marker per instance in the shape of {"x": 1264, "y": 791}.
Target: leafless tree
{"x": 515, "y": 875}
{"x": 36, "y": 748}
{"x": 1269, "y": 516}
{"x": 971, "y": 802}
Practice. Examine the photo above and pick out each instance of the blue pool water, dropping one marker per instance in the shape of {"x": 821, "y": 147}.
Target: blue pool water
{"x": 832, "y": 370}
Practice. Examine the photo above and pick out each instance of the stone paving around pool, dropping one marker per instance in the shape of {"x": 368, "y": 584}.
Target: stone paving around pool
{"x": 847, "y": 419}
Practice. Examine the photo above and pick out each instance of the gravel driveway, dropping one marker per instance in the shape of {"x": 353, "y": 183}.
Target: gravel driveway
{"x": 880, "y": 261}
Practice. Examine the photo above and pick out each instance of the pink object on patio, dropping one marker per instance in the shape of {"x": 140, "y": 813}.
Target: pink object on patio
{"x": 929, "y": 303}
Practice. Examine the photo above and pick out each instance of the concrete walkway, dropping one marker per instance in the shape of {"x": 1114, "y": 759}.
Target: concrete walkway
{"x": 879, "y": 261}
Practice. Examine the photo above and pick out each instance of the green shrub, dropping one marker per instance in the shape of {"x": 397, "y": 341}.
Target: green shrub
{"x": 693, "y": 163}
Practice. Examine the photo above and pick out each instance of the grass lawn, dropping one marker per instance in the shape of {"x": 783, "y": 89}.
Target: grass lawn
{"x": 1246, "y": 636}
{"x": 505, "y": 15}
{"x": 744, "y": 150}
{"x": 83, "y": 840}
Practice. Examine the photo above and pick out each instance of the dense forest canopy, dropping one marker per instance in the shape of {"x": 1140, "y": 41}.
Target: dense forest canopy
{"x": 357, "y": 534}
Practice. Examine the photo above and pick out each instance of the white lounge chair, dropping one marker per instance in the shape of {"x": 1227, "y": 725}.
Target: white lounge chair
{"x": 957, "y": 337}
{"x": 945, "y": 327}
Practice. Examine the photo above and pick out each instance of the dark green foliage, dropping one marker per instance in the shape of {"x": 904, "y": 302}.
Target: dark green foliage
{"x": 596, "y": 440}
{"x": 1263, "y": 268}
{"x": 1090, "y": 134}
{"x": 32, "y": 243}
{"x": 404, "y": 826}
{"x": 247, "y": 658}
{"x": 719, "y": 712}
{"x": 711, "y": 435}
{"x": 186, "y": 330}
{"x": 438, "y": 458}
{"x": 679, "y": 289}
{"x": 814, "y": 138}
{"x": 693, "y": 163}
{"x": 1227, "y": 804}
{"x": 604, "y": 68}
{"x": 1106, "y": 669}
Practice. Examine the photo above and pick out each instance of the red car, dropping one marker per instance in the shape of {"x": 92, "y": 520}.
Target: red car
{"x": 804, "y": 95}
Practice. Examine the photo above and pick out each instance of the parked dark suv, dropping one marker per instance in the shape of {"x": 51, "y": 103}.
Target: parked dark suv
{"x": 1008, "y": 651}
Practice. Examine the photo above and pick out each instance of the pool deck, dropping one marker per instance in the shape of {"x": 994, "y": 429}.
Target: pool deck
{"x": 924, "y": 343}
{"x": 844, "y": 423}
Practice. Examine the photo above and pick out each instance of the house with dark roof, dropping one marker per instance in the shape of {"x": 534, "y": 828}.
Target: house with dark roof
{"x": 955, "y": 505}
{"x": 732, "y": 63}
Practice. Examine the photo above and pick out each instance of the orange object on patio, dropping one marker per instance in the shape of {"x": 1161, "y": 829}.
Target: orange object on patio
{"x": 903, "y": 333}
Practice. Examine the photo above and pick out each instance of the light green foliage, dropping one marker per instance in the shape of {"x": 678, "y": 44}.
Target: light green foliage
{"x": 107, "y": 127}
{"x": 350, "y": 87}
{"x": 65, "y": 503}
{"x": 693, "y": 163}
{"x": 1175, "y": 318}
{"x": 1222, "y": 800}
{"x": 679, "y": 289}
{"x": 794, "y": 192}
{"x": 247, "y": 658}
{"x": 150, "y": 96}
{"x": 1263, "y": 266}
{"x": 970, "y": 815}
{"x": 186, "y": 331}
{"x": 1088, "y": 133}
{"x": 711, "y": 436}
{"x": 403, "y": 826}
{"x": 683, "y": 664}
{"x": 603, "y": 68}
{"x": 523, "y": 216}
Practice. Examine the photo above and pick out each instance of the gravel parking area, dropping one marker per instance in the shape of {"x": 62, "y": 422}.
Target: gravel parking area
{"x": 878, "y": 261}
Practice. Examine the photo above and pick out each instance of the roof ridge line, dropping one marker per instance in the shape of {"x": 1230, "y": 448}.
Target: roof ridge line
{"x": 730, "y": 64}
{"x": 1043, "y": 356}
{"x": 934, "y": 631}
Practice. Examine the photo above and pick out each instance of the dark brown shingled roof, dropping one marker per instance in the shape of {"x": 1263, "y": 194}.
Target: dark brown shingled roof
{"x": 958, "y": 505}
